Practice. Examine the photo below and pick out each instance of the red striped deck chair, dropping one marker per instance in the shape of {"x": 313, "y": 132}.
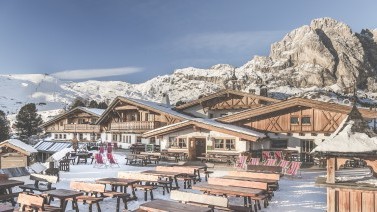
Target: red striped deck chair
{"x": 101, "y": 149}
{"x": 294, "y": 168}
{"x": 254, "y": 161}
{"x": 112, "y": 161}
{"x": 284, "y": 164}
{"x": 109, "y": 149}
{"x": 270, "y": 162}
{"x": 278, "y": 155}
{"x": 265, "y": 155}
{"x": 241, "y": 162}
{"x": 99, "y": 162}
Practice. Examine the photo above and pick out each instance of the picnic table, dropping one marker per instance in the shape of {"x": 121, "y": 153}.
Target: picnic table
{"x": 6, "y": 193}
{"x": 246, "y": 193}
{"x": 82, "y": 157}
{"x": 64, "y": 195}
{"x": 137, "y": 158}
{"x": 265, "y": 169}
{"x": 170, "y": 206}
{"x": 121, "y": 182}
{"x": 270, "y": 183}
{"x": 170, "y": 175}
{"x": 196, "y": 170}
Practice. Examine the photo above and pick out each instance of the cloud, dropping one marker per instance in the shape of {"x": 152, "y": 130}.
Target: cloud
{"x": 215, "y": 41}
{"x": 95, "y": 73}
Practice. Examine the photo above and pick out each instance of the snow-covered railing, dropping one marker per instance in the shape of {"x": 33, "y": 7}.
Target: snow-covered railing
{"x": 81, "y": 127}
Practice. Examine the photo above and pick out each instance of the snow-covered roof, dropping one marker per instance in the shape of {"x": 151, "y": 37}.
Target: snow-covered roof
{"x": 352, "y": 136}
{"x": 52, "y": 146}
{"x": 209, "y": 123}
{"x": 57, "y": 156}
{"x": 94, "y": 111}
{"x": 17, "y": 143}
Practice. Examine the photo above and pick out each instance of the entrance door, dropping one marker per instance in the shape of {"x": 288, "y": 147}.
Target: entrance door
{"x": 306, "y": 147}
{"x": 200, "y": 144}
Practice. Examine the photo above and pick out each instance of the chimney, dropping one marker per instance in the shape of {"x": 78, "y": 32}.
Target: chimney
{"x": 165, "y": 100}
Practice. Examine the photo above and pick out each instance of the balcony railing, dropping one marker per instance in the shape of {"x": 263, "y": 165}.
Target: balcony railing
{"x": 81, "y": 128}
{"x": 135, "y": 125}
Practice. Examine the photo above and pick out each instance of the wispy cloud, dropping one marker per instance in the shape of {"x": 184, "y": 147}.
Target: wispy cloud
{"x": 216, "y": 41}
{"x": 95, "y": 73}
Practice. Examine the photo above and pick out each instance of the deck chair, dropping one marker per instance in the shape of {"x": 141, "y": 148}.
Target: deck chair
{"x": 112, "y": 161}
{"x": 294, "y": 169}
{"x": 278, "y": 155}
{"x": 265, "y": 155}
{"x": 241, "y": 162}
{"x": 284, "y": 164}
{"x": 270, "y": 162}
{"x": 109, "y": 149}
{"x": 101, "y": 149}
{"x": 99, "y": 162}
{"x": 254, "y": 161}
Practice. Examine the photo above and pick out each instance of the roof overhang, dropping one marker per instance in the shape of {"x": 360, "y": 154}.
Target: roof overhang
{"x": 58, "y": 117}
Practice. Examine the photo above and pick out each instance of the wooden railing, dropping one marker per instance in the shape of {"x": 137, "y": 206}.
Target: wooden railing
{"x": 135, "y": 125}
{"x": 81, "y": 127}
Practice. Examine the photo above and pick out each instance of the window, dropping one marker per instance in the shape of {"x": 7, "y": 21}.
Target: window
{"x": 152, "y": 140}
{"x": 114, "y": 137}
{"x": 61, "y": 123}
{"x": 172, "y": 142}
{"x": 56, "y": 136}
{"x": 305, "y": 120}
{"x": 279, "y": 144}
{"x": 60, "y": 136}
{"x": 146, "y": 117}
{"x": 211, "y": 115}
{"x": 225, "y": 144}
{"x": 81, "y": 136}
{"x": 65, "y": 136}
{"x": 182, "y": 143}
{"x": 129, "y": 139}
{"x": 138, "y": 139}
{"x": 294, "y": 120}
{"x": 219, "y": 144}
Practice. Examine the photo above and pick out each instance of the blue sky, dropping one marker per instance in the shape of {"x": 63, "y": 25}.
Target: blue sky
{"x": 136, "y": 40}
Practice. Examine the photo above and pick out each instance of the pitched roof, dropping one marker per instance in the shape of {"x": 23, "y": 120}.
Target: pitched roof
{"x": 222, "y": 93}
{"x": 208, "y": 124}
{"x": 19, "y": 145}
{"x": 93, "y": 111}
{"x": 352, "y": 136}
{"x": 153, "y": 106}
{"x": 292, "y": 103}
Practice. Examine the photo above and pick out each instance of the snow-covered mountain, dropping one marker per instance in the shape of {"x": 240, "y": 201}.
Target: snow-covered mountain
{"x": 320, "y": 60}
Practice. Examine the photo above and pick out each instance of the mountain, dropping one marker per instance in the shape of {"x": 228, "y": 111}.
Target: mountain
{"x": 320, "y": 61}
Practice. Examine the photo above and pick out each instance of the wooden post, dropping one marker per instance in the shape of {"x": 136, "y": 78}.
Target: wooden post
{"x": 191, "y": 149}
{"x": 331, "y": 166}
{"x": 331, "y": 200}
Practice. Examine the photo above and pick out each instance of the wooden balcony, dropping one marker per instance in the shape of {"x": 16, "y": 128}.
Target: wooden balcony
{"x": 134, "y": 126}
{"x": 81, "y": 128}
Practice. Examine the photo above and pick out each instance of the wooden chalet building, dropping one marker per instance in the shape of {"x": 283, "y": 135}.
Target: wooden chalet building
{"x": 222, "y": 103}
{"x": 15, "y": 153}
{"x": 126, "y": 119}
{"x": 295, "y": 124}
{"x": 78, "y": 122}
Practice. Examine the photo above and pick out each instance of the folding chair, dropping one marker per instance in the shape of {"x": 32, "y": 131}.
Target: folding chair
{"x": 241, "y": 162}
{"x": 270, "y": 162}
{"x": 99, "y": 162}
{"x": 112, "y": 161}
{"x": 254, "y": 161}
{"x": 294, "y": 169}
{"x": 284, "y": 164}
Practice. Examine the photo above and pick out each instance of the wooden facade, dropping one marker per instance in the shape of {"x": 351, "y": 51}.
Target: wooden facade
{"x": 13, "y": 156}
{"x": 296, "y": 119}
{"x": 77, "y": 120}
{"x": 127, "y": 116}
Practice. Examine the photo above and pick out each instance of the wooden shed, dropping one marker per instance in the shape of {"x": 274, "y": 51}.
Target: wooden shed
{"x": 15, "y": 153}
{"x": 353, "y": 139}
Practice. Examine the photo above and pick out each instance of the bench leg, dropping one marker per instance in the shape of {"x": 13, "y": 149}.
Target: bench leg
{"x": 125, "y": 203}
{"x": 118, "y": 202}
{"x": 90, "y": 208}
{"x": 145, "y": 195}
{"x": 98, "y": 207}
{"x": 151, "y": 193}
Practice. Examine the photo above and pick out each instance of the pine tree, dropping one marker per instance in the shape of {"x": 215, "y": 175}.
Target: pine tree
{"x": 93, "y": 104}
{"x": 4, "y": 127}
{"x": 77, "y": 103}
{"x": 102, "y": 105}
{"x": 28, "y": 121}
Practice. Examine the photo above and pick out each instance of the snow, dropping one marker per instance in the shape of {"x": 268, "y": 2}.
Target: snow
{"x": 347, "y": 141}
{"x": 294, "y": 194}
{"x": 57, "y": 156}
{"x": 21, "y": 145}
{"x": 94, "y": 111}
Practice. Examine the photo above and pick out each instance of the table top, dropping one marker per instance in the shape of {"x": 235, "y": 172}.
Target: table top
{"x": 251, "y": 179}
{"x": 117, "y": 181}
{"x": 262, "y": 168}
{"x": 230, "y": 190}
{"x": 10, "y": 183}
{"x": 63, "y": 193}
{"x": 160, "y": 173}
{"x": 167, "y": 206}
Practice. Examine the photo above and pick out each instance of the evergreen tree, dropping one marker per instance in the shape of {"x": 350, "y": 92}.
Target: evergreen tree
{"x": 93, "y": 104}
{"x": 28, "y": 121}
{"x": 102, "y": 105}
{"x": 77, "y": 103}
{"x": 4, "y": 127}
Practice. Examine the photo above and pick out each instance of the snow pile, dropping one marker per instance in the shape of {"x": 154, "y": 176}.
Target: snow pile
{"x": 348, "y": 141}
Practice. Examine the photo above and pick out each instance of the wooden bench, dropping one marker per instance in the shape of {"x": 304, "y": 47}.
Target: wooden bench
{"x": 41, "y": 183}
{"x": 30, "y": 202}
{"x": 97, "y": 192}
{"x": 244, "y": 184}
{"x": 188, "y": 174}
{"x": 151, "y": 182}
{"x": 214, "y": 202}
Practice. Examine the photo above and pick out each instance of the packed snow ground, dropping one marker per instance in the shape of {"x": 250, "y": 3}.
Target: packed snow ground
{"x": 295, "y": 194}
